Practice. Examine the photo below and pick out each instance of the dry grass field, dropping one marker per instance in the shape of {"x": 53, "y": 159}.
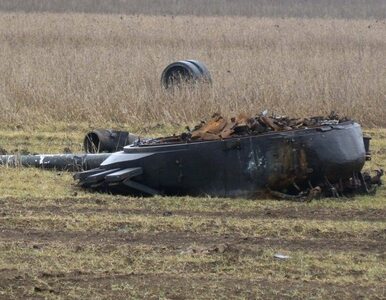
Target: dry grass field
{"x": 62, "y": 74}
{"x": 347, "y": 9}
{"x": 106, "y": 68}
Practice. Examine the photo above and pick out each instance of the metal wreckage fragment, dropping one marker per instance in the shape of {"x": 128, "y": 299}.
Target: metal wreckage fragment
{"x": 292, "y": 159}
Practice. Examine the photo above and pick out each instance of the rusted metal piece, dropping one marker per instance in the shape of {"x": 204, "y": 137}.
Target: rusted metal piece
{"x": 210, "y": 130}
{"x": 218, "y": 127}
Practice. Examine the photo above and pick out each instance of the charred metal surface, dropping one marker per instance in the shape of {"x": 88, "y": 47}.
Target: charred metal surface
{"x": 107, "y": 140}
{"x": 326, "y": 159}
{"x": 219, "y": 128}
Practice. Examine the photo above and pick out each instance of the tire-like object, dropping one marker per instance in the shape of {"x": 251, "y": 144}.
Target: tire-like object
{"x": 184, "y": 71}
{"x": 205, "y": 74}
{"x": 107, "y": 140}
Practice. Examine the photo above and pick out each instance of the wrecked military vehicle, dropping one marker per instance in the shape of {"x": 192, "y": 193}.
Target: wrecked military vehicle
{"x": 244, "y": 157}
{"x": 294, "y": 159}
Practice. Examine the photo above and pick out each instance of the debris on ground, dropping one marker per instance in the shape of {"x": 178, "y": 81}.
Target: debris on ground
{"x": 219, "y": 127}
{"x": 167, "y": 213}
{"x": 295, "y": 159}
{"x": 220, "y": 248}
{"x": 281, "y": 256}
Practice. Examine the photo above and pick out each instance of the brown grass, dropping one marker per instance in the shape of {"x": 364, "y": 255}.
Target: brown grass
{"x": 106, "y": 68}
{"x": 257, "y": 8}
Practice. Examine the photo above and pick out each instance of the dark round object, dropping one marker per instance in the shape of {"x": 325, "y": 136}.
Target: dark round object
{"x": 184, "y": 71}
{"x": 106, "y": 140}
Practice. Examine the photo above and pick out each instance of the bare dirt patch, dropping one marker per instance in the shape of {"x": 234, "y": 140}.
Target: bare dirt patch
{"x": 176, "y": 287}
{"x": 176, "y": 241}
{"x": 302, "y": 212}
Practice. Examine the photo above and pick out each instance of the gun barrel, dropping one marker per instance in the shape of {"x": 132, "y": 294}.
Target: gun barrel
{"x": 69, "y": 162}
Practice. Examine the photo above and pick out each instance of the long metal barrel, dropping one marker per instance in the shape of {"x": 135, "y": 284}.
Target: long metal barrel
{"x": 70, "y": 162}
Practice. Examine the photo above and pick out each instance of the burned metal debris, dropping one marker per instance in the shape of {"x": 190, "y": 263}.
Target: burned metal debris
{"x": 107, "y": 140}
{"x": 286, "y": 158}
{"x": 281, "y": 157}
{"x": 219, "y": 128}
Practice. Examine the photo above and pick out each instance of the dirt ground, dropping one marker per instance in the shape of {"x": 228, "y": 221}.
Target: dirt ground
{"x": 59, "y": 241}
{"x": 188, "y": 252}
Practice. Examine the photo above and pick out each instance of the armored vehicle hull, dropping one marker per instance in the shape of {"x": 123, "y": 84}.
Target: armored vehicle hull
{"x": 243, "y": 166}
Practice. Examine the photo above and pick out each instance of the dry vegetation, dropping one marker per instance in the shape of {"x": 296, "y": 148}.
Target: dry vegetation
{"x": 61, "y": 74}
{"x": 349, "y": 9}
{"x": 106, "y": 68}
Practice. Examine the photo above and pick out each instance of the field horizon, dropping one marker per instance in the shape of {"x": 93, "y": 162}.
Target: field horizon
{"x": 339, "y": 9}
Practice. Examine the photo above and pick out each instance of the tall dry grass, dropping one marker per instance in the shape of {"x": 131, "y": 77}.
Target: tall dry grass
{"x": 106, "y": 68}
{"x": 348, "y": 9}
